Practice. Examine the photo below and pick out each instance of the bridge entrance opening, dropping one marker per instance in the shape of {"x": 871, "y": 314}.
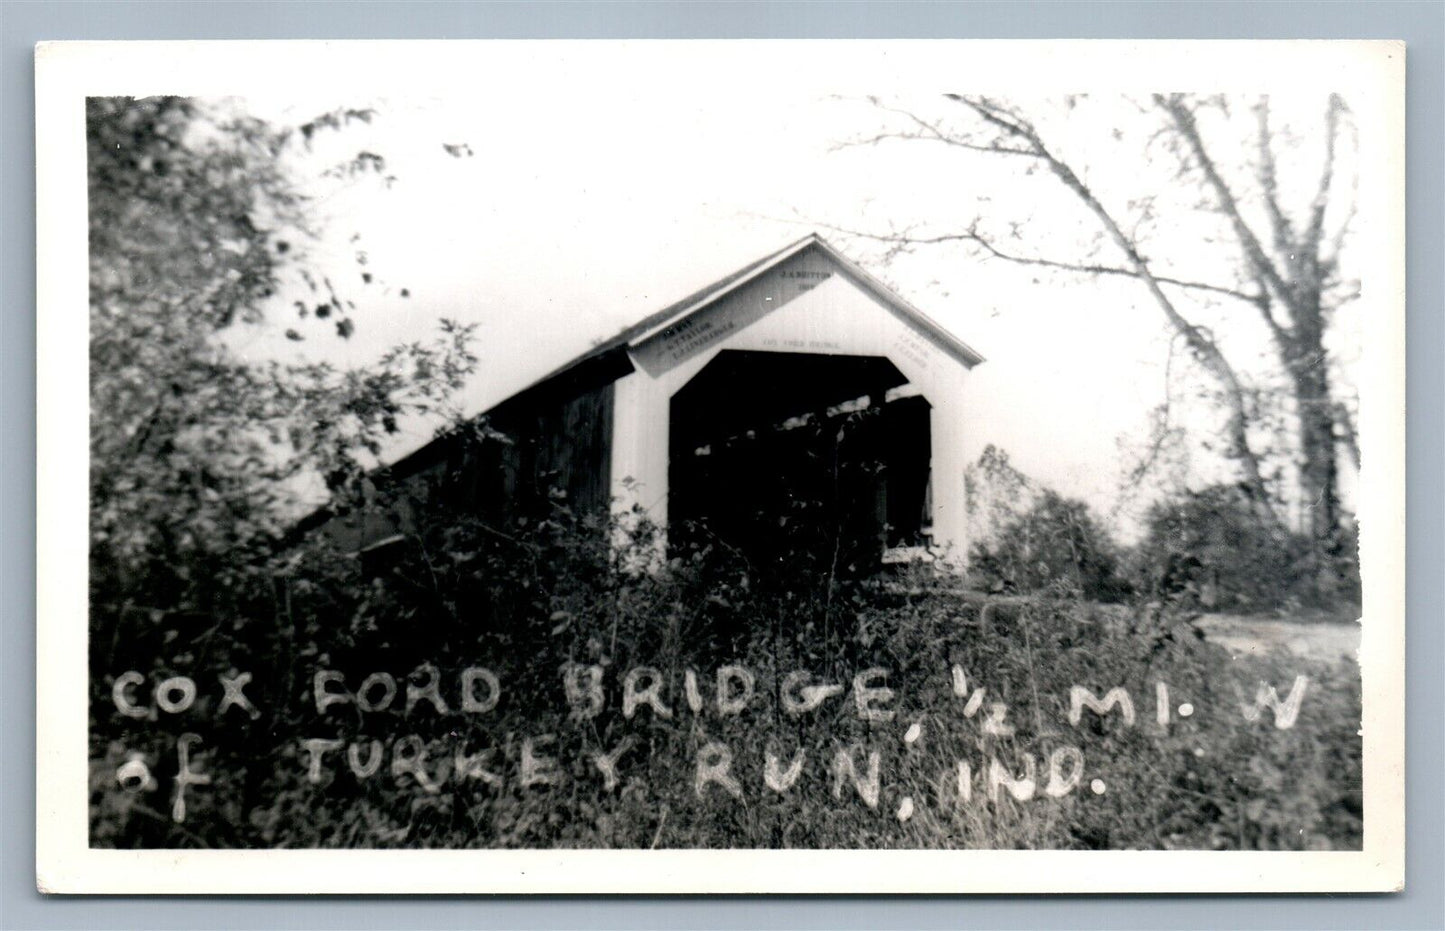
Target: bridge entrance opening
{"x": 800, "y": 461}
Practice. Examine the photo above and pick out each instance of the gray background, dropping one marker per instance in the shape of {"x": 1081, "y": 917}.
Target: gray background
{"x": 1422, "y": 24}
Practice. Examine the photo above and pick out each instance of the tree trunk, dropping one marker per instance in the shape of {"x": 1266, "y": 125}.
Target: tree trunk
{"x": 1318, "y": 470}
{"x": 1318, "y": 465}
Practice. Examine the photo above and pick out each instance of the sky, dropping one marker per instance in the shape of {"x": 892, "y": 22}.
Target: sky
{"x": 566, "y": 219}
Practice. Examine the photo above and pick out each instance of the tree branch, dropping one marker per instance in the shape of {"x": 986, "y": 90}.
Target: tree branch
{"x": 907, "y": 239}
{"x": 1262, "y": 301}
{"x": 927, "y": 131}
{"x": 1313, "y": 233}
{"x": 1337, "y": 240}
{"x": 1199, "y": 342}
{"x": 1161, "y": 432}
{"x": 1184, "y": 121}
{"x": 1269, "y": 182}
{"x": 914, "y": 137}
{"x": 1089, "y": 269}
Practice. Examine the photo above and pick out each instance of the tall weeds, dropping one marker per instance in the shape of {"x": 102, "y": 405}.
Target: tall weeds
{"x": 533, "y": 602}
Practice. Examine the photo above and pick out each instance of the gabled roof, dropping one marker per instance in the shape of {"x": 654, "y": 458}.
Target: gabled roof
{"x": 880, "y": 291}
{"x": 700, "y": 299}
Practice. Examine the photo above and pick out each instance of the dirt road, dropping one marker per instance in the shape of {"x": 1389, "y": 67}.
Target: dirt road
{"x": 1318, "y": 640}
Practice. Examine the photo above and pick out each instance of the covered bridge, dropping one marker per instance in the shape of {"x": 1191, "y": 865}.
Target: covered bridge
{"x": 796, "y": 404}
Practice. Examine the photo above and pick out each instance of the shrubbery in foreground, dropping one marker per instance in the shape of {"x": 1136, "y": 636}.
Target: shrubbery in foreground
{"x": 541, "y": 606}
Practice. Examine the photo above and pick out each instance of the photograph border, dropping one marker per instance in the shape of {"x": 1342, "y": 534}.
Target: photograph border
{"x": 67, "y": 73}
{"x": 1413, "y": 21}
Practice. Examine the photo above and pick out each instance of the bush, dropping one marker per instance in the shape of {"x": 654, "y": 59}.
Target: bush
{"x": 1056, "y": 545}
{"x": 1210, "y": 549}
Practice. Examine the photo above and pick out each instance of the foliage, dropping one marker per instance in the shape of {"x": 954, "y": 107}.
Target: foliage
{"x": 1029, "y": 538}
{"x": 997, "y": 494}
{"x": 1206, "y": 548}
{"x": 198, "y": 224}
{"x": 528, "y": 601}
{"x": 1202, "y": 550}
{"x": 1057, "y": 544}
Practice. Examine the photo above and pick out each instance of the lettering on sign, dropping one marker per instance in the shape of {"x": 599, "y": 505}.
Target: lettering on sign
{"x": 813, "y": 345}
{"x": 687, "y": 337}
{"x": 806, "y": 280}
{"x": 731, "y": 314}
{"x": 915, "y": 349}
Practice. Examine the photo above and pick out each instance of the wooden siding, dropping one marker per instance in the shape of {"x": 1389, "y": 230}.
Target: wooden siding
{"x": 560, "y": 453}
{"x": 554, "y": 449}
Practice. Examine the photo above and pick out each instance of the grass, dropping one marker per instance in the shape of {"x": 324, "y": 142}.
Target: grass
{"x": 1212, "y": 780}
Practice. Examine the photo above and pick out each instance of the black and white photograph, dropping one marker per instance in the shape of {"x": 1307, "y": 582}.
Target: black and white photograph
{"x": 721, "y": 466}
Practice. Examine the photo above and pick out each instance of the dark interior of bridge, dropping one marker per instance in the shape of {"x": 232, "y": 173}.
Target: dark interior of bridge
{"x": 799, "y": 461}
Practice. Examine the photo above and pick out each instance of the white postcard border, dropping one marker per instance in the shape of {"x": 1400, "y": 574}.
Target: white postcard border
{"x": 67, "y": 72}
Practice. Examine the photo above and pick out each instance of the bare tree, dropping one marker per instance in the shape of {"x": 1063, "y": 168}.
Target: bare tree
{"x": 1288, "y": 277}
